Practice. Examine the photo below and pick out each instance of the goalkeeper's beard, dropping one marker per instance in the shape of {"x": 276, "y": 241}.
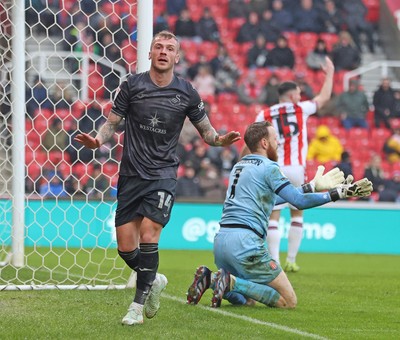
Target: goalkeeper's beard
{"x": 272, "y": 154}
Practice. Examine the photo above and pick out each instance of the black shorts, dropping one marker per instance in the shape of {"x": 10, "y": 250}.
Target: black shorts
{"x": 140, "y": 197}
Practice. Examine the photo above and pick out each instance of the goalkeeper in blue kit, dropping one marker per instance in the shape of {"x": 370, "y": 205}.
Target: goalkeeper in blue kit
{"x": 246, "y": 271}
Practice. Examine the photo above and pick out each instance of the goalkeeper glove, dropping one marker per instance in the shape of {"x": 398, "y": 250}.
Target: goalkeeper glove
{"x": 322, "y": 182}
{"x": 361, "y": 188}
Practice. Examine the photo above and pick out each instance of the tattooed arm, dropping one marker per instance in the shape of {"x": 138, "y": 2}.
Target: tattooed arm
{"x": 108, "y": 129}
{"x": 211, "y": 137}
{"x": 105, "y": 133}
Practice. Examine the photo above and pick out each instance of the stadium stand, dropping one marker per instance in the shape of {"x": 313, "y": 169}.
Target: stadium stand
{"x": 225, "y": 110}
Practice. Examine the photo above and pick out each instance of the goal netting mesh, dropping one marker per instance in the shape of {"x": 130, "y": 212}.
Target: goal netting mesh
{"x": 76, "y": 54}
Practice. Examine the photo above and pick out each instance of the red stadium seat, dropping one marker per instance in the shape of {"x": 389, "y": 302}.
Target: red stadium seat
{"x": 110, "y": 169}
{"x": 227, "y": 98}
{"x": 357, "y": 134}
{"x": 332, "y": 122}
{"x": 284, "y": 73}
{"x": 306, "y": 42}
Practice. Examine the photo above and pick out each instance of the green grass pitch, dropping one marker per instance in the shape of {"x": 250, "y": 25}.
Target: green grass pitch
{"x": 339, "y": 297}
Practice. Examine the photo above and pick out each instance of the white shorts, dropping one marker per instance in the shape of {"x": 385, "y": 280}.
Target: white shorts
{"x": 296, "y": 175}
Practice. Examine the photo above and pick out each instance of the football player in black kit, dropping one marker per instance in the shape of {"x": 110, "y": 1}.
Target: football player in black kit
{"x": 154, "y": 105}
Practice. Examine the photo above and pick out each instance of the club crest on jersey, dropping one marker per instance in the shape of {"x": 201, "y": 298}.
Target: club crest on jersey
{"x": 176, "y": 100}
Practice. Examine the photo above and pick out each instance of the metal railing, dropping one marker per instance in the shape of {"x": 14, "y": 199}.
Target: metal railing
{"x": 384, "y": 65}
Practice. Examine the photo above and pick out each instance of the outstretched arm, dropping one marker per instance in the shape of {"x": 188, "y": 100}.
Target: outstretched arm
{"x": 105, "y": 133}
{"x": 326, "y": 91}
{"x": 211, "y": 136}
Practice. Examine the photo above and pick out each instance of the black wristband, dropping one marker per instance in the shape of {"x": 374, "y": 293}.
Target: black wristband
{"x": 334, "y": 195}
{"x": 307, "y": 187}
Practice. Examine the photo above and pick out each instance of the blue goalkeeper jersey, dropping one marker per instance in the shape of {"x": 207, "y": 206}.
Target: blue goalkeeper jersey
{"x": 254, "y": 185}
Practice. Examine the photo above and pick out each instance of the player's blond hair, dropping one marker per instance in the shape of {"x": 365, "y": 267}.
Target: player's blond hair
{"x": 165, "y": 35}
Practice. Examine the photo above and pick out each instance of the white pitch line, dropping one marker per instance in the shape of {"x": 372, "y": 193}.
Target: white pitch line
{"x": 241, "y": 317}
{"x": 249, "y": 319}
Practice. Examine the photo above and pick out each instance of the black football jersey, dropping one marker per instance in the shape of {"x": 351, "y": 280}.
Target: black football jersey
{"x": 154, "y": 117}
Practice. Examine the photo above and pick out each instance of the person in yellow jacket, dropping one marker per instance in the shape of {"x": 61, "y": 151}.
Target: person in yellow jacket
{"x": 324, "y": 147}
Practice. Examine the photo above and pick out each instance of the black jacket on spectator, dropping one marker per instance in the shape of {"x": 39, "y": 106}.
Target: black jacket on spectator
{"x": 281, "y": 57}
{"x": 346, "y": 58}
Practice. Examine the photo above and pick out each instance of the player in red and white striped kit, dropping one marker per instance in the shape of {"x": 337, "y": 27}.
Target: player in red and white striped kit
{"x": 289, "y": 117}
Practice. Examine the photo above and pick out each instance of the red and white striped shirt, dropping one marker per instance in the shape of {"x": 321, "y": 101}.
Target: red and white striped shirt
{"x": 289, "y": 121}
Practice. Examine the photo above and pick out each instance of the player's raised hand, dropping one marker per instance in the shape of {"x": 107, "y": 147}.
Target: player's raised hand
{"x": 87, "y": 140}
{"x": 328, "y": 181}
{"x": 328, "y": 66}
{"x": 228, "y": 139}
{"x": 361, "y": 188}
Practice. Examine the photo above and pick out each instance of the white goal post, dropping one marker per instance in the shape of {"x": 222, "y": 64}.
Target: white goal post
{"x": 59, "y": 67}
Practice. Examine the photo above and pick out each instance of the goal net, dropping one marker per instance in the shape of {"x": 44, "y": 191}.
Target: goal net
{"x": 76, "y": 55}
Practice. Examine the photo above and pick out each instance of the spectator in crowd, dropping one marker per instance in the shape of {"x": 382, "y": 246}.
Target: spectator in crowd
{"x": 269, "y": 94}
{"x": 281, "y": 55}
{"x": 306, "y": 91}
{"x": 259, "y": 6}
{"x": 268, "y": 27}
{"x": 74, "y": 187}
{"x": 332, "y": 17}
{"x": 282, "y": 18}
{"x": 307, "y": 18}
{"x": 210, "y": 183}
{"x": 221, "y": 60}
{"x": 41, "y": 16}
{"x": 197, "y": 154}
{"x": 175, "y": 7}
{"x": 324, "y": 147}
{"x": 391, "y": 148}
{"x": 225, "y": 70}
{"x": 249, "y": 89}
{"x": 396, "y": 110}
{"x": 185, "y": 27}
{"x": 383, "y": 102}
{"x": 258, "y": 54}
{"x": 81, "y": 38}
{"x": 182, "y": 68}
{"x": 98, "y": 184}
{"x": 188, "y": 184}
{"x": 374, "y": 173}
{"x": 37, "y": 97}
{"x": 194, "y": 69}
{"x": 250, "y": 29}
{"x": 204, "y": 82}
{"x": 353, "y": 106}
{"x": 223, "y": 157}
{"x": 357, "y": 24}
{"x": 56, "y": 138}
{"x": 345, "y": 54}
{"x": 345, "y": 164}
{"x": 207, "y": 28}
{"x": 52, "y": 185}
{"x": 229, "y": 157}
{"x": 316, "y": 57}
{"x": 391, "y": 191}
{"x": 62, "y": 98}
{"x": 161, "y": 23}
{"x": 238, "y": 9}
